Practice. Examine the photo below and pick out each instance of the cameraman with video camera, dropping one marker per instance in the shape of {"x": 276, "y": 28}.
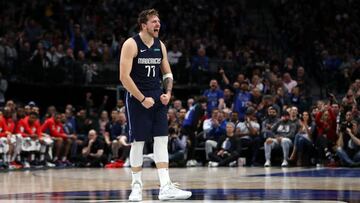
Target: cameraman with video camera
{"x": 348, "y": 143}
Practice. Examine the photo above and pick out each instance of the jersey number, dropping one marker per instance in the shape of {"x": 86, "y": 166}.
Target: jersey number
{"x": 150, "y": 69}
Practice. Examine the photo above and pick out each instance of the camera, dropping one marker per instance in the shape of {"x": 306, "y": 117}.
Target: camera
{"x": 345, "y": 125}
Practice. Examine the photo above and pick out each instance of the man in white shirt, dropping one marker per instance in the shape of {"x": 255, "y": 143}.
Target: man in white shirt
{"x": 174, "y": 56}
{"x": 249, "y": 133}
{"x": 288, "y": 82}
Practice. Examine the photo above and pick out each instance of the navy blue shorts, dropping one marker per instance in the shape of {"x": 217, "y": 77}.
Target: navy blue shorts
{"x": 144, "y": 124}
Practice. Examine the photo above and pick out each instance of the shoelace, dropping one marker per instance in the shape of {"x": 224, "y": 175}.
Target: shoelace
{"x": 174, "y": 186}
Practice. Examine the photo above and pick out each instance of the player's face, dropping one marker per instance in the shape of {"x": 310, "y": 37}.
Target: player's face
{"x": 58, "y": 118}
{"x": 32, "y": 119}
{"x": 153, "y": 26}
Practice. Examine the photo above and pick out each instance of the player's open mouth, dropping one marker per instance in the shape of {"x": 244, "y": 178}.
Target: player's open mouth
{"x": 156, "y": 30}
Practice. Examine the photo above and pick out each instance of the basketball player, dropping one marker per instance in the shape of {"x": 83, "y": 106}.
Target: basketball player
{"x": 142, "y": 58}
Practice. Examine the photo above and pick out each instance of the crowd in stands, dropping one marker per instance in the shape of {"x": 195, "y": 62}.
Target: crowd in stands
{"x": 66, "y": 42}
{"x": 328, "y": 40}
{"x": 261, "y": 109}
{"x": 229, "y": 121}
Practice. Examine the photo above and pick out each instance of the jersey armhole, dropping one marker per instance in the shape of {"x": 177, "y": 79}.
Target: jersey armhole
{"x": 136, "y": 46}
{"x": 162, "y": 55}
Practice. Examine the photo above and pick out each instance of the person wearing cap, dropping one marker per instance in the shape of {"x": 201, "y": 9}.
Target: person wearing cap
{"x": 284, "y": 133}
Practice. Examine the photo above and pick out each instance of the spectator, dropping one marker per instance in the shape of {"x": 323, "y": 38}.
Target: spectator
{"x": 190, "y": 126}
{"x": 242, "y": 100}
{"x": 326, "y": 133}
{"x": 215, "y": 97}
{"x": 77, "y": 40}
{"x": 304, "y": 139}
{"x": 93, "y": 151}
{"x": 177, "y": 104}
{"x": 172, "y": 118}
{"x": 103, "y": 120}
{"x": 174, "y": 56}
{"x": 288, "y": 82}
{"x": 348, "y": 145}
{"x": 249, "y": 133}
{"x": 284, "y": 133}
{"x": 228, "y": 149}
{"x": 190, "y": 103}
{"x": 116, "y": 139}
{"x": 54, "y": 127}
{"x": 213, "y": 128}
{"x": 228, "y": 98}
{"x": 176, "y": 147}
{"x": 289, "y": 67}
{"x": 256, "y": 83}
{"x": 199, "y": 67}
{"x": 268, "y": 123}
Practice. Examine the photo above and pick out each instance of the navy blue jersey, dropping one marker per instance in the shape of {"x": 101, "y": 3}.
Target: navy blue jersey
{"x": 146, "y": 65}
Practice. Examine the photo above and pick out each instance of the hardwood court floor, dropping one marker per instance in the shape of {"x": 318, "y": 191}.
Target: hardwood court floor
{"x": 207, "y": 184}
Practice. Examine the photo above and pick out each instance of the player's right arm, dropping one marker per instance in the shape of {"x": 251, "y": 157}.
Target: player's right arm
{"x": 128, "y": 52}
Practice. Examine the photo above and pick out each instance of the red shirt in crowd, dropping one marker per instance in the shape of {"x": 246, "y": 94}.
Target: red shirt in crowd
{"x": 26, "y": 129}
{"x": 55, "y": 128}
{"x": 3, "y": 127}
{"x": 10, "y": 125}
{"x": 327, "y": 127}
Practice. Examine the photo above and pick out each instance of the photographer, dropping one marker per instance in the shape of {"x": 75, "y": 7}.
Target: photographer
{"x": 348, "y": 144}
{"x": 176, "y": 147}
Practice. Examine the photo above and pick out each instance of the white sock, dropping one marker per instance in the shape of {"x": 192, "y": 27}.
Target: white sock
{"x": 163, "y": 176}
{"x": 42, "y": 157}
{"x": 136, "y": 177}
{"x": 8, "y": 158}
{"x": 13, "y": 158}
{"x": 32, "y": 157}
{"x": 50, "y": 152}
{"x": 64, "y": 158}
{"x": 5, "y": 156}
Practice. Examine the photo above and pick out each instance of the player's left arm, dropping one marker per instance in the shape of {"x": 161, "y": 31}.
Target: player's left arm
{"x": 167, "y": 76}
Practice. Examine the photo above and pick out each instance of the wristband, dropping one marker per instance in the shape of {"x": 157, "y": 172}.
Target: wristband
{"x": 143, "y": 100}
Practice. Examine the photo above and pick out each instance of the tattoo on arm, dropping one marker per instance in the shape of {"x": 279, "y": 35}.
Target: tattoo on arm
{"x": 168, "y": 85}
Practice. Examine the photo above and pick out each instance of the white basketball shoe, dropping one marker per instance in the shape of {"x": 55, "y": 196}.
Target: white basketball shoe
{"x": 136, "y": 192}
{"x": 171, "y": 191}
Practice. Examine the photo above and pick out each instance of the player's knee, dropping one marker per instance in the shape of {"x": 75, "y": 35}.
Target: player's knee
{"x": 160, "y": 149}
{"x": 136, "y": 154}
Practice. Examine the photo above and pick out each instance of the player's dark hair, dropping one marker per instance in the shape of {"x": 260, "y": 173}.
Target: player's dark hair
{"x": 34, "y": 114}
